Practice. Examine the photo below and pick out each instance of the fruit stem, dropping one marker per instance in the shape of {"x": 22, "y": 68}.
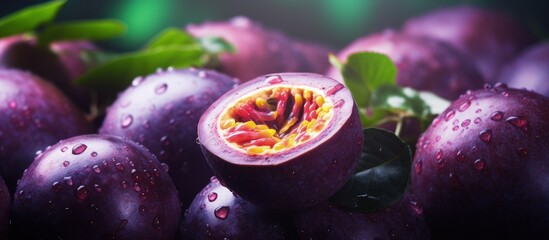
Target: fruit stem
{"x": 399, "y": 124}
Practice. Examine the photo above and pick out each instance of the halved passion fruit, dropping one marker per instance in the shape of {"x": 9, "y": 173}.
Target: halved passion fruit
{"x": 284, "y": 141}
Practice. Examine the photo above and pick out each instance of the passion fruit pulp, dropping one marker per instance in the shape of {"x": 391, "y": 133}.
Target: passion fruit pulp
{"x": 283, "y": 141}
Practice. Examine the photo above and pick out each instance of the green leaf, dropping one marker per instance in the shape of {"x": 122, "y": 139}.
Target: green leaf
{"x": 117, "y": 73}
{"x": 171, "y": 36}
{"x": 216, "y": 45}
{"x": 90, "y": 30}
{"x": 366, "y": 71}
{"x": 29, "y": 18}
{"x": 400, "y": 100}
{"x": 382, "y": 175}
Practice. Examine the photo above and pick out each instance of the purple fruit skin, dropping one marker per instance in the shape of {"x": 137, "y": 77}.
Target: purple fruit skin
{"x": 490, "y": 38}
{"x": 34, "y": 115}
{"x": 258, "y": 50}
{"x": 480, "y": 168}
{"x": 164, "y": 109}
{"x": 529, "y": 70}
{"x": 316, "y": 56}
{"x": 298, "y": 177}
{"x": 60, "y": 63}
{"x": 242, "y": 221}
{"x": 113, "y": 188}
{"x": 422, "y": 63}
{"x": 404, "y": 220}
{"x": 5, "y": 209}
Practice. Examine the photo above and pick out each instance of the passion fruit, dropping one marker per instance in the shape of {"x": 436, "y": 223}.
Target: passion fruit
{"x": 283, "y": 141}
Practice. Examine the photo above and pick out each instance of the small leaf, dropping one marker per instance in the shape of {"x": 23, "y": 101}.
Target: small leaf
{"x": 117, "y": 73}
{"x": 403, "y": 100}
{"x": 382, "y": 175}
{"x": 366, "y": 71}
{"x": 90, "y": 30}
{"x": 216, "y": 45}
{"x": 171, "y": 36}
{"x": 436, "y": 104}
{"x": 29, "y": 18}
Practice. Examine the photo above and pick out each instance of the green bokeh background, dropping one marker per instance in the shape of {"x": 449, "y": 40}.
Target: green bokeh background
{"x": 332, "y": 22}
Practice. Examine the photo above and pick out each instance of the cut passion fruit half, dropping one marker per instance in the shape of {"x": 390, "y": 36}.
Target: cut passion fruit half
{"x": 285, "y": 141}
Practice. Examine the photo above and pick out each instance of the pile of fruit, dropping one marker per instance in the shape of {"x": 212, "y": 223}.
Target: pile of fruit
{"x": 232, "y": 130}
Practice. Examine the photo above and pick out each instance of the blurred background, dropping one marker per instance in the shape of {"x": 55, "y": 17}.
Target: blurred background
{"x": 332, "y": 22}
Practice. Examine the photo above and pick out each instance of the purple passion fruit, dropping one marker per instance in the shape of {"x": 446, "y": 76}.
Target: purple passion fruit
{"x": 218, "y": 213}
{"x": 423, "y": 63}
{"x": 529, "y": 70}
{"x": 284, "y": 141}
{"x": 161, "y": 111}
{"x": 258, "y": 50}
{"x": 480, "y": 170}
{"x": 33, "y": 115}
{"x": 402, "y": 221}
{"x": 96, "y": 187}
{"x": 490, "y": 38}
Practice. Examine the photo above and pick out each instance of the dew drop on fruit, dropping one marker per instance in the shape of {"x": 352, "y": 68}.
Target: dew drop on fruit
{"x": 126, "y": 120}
{"x": 450, "y": 115}
{"x": 165, "y": 141}
{"x": 79, "y": 148}
{"x": 460, "y": 156}
{"x": 214, "y": 179}
{"x": 96, "y": 169}
{"x": 477, "y": 120}
{"x": 479, "y": 164}
{"x": 440, "y": 163}
{"x": 517, "y": 121}
{"x": 438, "y": 154}
{"x": 66, "y": 163}
{"x": 212, "y": 196}
{"x": 124, "y": 184}
{"x": 273, "y": 79}
{"x": 466, "y": 123}
{"x": 496, "y": 116}
{"x": 97, "y": 188}
{"x": 136, "y": 187}
{"x": 455, "y": 128}
{"x": 333, "y": 90}
{"x": 56, "y": 186}
{"x": 119, "y": 167}
{"x": 81, "y": 192}
{"x": 464, "y": 106}
{"x": 455, "y": 122}
{"x": 485, "y": 135}
{"x": 156, "y": 222}
{"x": 68, "y": 180}
{"x": 505, "y": 94}
{"x": 478, "y": 110}
{"x": 221, "y": 212}
{"x": 136, "y": 81}
{"x": 64, "y": 149}
{"x": 160, "y": 89}
{"x": 202, "y": 206}
{"x": 51, "y": 204}
{"x": 418, "y": 166}
{"x": 94, "y": 154}
{"x": 197, "y": 141}
{"x": 416, "y": 207}
{"x": 165, "y": 167}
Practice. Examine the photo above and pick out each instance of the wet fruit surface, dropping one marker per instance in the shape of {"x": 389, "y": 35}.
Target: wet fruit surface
{"x": 481, "y": 164}
{"x": 161, "y": 111}
{"x": 279, "y": 130}
{"x": 29, "y": 123}
{"x": 217, "y": 213}
{"x": 96, "y": 186}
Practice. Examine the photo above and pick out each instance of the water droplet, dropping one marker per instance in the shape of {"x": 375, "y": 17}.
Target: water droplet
{"x": 119, "y": 167}
{"x": 450, "y": 115}
{"x": 339, "y": 103}
{"x": 438, "y": 154}
{"x": 438, "y": 138}
{"x": 125, "y": 103}
{"x": 496, "y": 116}
{"x": 94, "y": 154}
{"x": 485, "y": 135}
{"x": 160, "y": 89}
{"x": 165, "y": 141}
{"x": 221, "y": 212}
{"x": 477, "y": 120}
{"x": 68, "y": 181}
{"x": 418, "y": 166}
{"x": 202, "y": 74}
{"x": 197, "y": 141}
{"x": 138, "y": 80}
{"x": 79, "y": 148}
{"x": 455, "y": 128}
{"x": 464, "y": 106}
{"x": 97, "y": 188}
{"x": 505, "y": 94}
{"x": 466, "y": 123}
{"x": 416, "y": 207}
{"x": 64, "y": 149}
{"x": 479, "y": 164}
{"x": 517, "y": 121}
{"x": 273, "y": 79}
{"x": 51, "y": 204}
{"x": 136, "y": 187}
{"x": 165, "y": 167}
{"x": 214, "y": 179}
{"x": 455, "y": 122}
{"x": 478, "y": 110}
{"x": 159, "y": 70}
{"x": 460, "y": 156}
{"x": 124, "y": 184}
{"x": 500, "y": 85}
{"x": 440, "y": 163}
{"x": 81, "y": 192}
{"x": 12, "y": 104}
{"x": 126, "y": 120}
{"x": 487, "y": 86}
{"x": 56, "y": 186}
{"x": 212, "y": 196}
{"x": 333, "y": 90}
{"x": 66, "y": 163}
{"x": 156, "y": 223}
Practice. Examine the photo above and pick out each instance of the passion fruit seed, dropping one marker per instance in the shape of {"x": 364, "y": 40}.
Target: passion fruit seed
{"x": 274, "y": 119}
